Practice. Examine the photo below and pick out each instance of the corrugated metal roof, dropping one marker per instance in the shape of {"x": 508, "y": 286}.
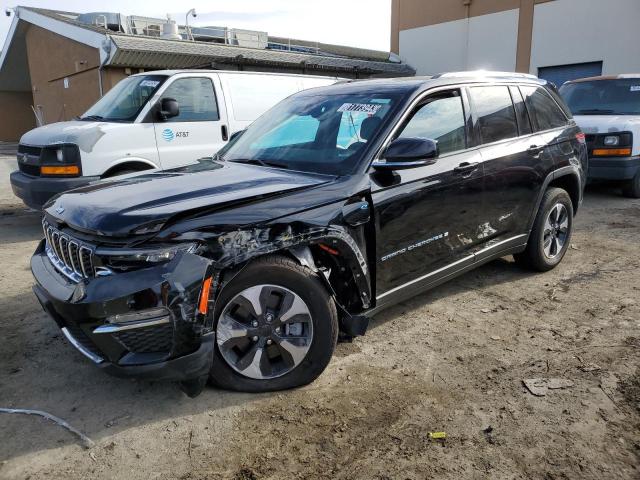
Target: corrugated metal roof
{"x": 145, "y": 52}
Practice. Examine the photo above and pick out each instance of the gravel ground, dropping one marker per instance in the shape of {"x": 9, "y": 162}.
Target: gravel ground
{"x": 451, "y": 360}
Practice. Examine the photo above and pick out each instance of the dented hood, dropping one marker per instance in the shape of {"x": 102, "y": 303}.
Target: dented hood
{"x": 81, "y": 133}
{"x": 119, "y": 207}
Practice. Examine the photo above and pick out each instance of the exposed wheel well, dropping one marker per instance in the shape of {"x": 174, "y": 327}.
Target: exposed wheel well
{"x": 571, "y": 185}
{"x": 126, "y": 167}
{"x": 341, "y": 279}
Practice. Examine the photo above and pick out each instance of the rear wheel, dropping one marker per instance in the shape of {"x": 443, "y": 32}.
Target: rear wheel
{"x": 276, "y": 327}
{"x": 632, "y": 188}
{"x": 551, "y": 233}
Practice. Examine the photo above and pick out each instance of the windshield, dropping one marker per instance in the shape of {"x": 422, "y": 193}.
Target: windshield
{"x": 313, "y": 133}
{"x": 603, "y": 97}
{"x": 124, "y": 101}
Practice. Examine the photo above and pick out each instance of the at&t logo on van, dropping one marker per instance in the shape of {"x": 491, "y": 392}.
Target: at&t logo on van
{"x": 167, "y": 134}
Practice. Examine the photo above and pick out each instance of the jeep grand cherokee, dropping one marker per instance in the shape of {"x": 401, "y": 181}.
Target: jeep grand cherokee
{"x": 338, "y": 202}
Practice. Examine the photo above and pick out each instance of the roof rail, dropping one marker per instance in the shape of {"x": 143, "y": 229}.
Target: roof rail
{"x": 484, "y": 73}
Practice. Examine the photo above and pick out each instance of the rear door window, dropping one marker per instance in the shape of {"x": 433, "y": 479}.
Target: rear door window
{"x": 543, "y": 110}
{"x": 495, "y": 113}
{"x": 441, "y": 119}
{"x": 196, "y": 100}
{"x": 524, "y": 123}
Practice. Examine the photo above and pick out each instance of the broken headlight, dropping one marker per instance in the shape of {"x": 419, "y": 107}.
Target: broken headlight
{"x": 129, "y": 259}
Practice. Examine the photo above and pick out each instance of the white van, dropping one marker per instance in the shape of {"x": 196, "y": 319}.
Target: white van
{"x": 607, "y": 109}
{"x": 152, "y": 120}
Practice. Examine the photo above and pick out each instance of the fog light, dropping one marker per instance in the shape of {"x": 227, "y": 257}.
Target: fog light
{"x": 612, "y": 140}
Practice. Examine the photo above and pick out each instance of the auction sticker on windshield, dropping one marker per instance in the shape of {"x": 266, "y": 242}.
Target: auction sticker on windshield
{"x": 370, "y": 108}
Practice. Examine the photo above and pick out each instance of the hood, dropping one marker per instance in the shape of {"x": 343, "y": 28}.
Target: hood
{"x": 117, "y": 207}
{"x": 607, "y": 123}
{"x": 82, "y": 133}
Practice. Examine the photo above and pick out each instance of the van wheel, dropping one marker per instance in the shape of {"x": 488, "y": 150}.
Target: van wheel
{"x": 632, "y": 188}
{"x": 276, "y": 328}
{"x": 117, "y": 173}
{"x": 551, "y": 233}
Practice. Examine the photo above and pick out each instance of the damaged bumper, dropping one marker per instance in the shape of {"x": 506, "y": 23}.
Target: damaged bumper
{"x": 144, "y": 323}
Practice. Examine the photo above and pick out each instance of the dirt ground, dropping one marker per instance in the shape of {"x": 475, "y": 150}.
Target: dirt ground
{"x": 451, "y": 360}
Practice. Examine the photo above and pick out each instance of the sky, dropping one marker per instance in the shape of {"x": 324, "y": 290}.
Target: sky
{"x": 357, "y": 23}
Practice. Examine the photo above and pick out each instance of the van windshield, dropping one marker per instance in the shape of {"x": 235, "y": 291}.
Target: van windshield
{"x": 314, "y": 133}
{"x": 124, "y": 101}
{"x": 603, "y": 97}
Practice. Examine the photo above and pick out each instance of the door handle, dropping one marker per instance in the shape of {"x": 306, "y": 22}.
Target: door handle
{"x": 535, "y": 150}
{"x": 225, "y": 133}
{"x": 466, "y": 167}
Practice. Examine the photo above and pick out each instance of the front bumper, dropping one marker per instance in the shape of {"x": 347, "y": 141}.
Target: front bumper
{"x": 178, "y": 346}
{"x": 36, "y": 191}
{"x": 613, "y": 168}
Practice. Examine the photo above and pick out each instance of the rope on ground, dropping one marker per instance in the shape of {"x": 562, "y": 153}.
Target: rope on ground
{"x": 86, "y": 441}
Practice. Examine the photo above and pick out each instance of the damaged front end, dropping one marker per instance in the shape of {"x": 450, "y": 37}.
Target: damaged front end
{"x": 139, "y": 323}
{"x": 330, "y": 244}
{"x": 145, "y": 308}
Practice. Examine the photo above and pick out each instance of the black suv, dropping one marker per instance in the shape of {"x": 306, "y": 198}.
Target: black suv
{"x": 246, "y": 267}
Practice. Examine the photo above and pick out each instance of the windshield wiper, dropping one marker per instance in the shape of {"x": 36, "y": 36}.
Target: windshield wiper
{"x": 593, "y": 111}
{"x": 251, "y": 161}
{"x": 263, "y": 163}
{"x": 91, "y": 117}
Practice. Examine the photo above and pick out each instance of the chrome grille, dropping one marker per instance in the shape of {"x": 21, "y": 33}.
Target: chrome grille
{"x": 68, "y": 255}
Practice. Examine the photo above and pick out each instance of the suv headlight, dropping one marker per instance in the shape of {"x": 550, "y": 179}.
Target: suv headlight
{"x": 126, "y": 259}
{"x": 611, "y": 140}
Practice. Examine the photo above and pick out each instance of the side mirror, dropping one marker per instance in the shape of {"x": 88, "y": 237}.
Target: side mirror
{"x": 411, "y": 152}
{"x": 235, "y": 135}
{"x": 168, "y": 108}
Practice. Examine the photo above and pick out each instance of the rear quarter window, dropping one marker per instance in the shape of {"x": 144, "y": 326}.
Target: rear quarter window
{"x": 543, "y": 110}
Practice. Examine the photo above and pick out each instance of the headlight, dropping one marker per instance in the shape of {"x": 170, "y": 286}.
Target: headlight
{"x": 611, "y": 140}
{"x": 152, "y": 227}
{"x": 122, "y": 258}
{"x": 60, "y": 155}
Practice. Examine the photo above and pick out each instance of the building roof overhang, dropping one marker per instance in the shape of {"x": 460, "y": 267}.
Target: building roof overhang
{"x": 122, "y": 50}
{"x": 146, "y": 52}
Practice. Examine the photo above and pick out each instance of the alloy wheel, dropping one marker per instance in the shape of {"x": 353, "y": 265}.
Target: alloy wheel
{"x": 264, "y": 332}
{"x": 556, "y": 230}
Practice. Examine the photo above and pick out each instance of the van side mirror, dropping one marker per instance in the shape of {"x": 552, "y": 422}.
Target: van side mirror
{"x": 411, "y": 152}
{"x": 235, "y": 135}
{"x": 168, "y": 108}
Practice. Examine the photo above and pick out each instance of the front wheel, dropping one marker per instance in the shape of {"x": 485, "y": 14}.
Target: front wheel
{"x": 276, "y": 327}
{"x": 551, "y": 233}
{"x": 632, "y": 188}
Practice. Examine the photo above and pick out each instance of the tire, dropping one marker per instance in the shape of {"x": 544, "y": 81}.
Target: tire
{"x": 301, "y": 349}
{"x": 124, "y": 171}
{"x": 632, "y": 188}
{"x": 550, "y": 225}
